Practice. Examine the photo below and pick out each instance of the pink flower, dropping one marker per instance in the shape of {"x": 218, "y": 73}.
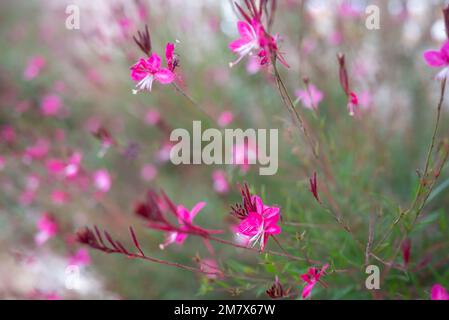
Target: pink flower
{"x": 148, "y": 172}
{"x": 152, "y": 117}
{"x": 221, "y": 184}
{"x": 146, "y": 71}
{"x": 225, "y": 118}
{"x": 34, "y": 67}
{"x": 254, "y": 39}
{"x": 51, "y": 105}
{"x": 310, "y": 97}
{"x": 102, "y": 180}
{"x": 47, "y": 228}
{"x": 244, "y": 154}
{"x": 438, "y": 59}
{"x": 247, "y": 43}
{"x": 185, "y": 219}
{"x": 80, "y": 258}
{"x": 260, "y": 224}
{"x": 68, "y": 169}
{"x": 311, "y": 278}
{"x": 8, "y": 134}
{"x": 60, "y": 197}
{"x": 37, "y": 151}
{"x": 438, "y": 292}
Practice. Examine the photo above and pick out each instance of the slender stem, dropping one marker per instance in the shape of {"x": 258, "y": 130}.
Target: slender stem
{"x": 192, "y": 102}
{"x": 422, "y": 184}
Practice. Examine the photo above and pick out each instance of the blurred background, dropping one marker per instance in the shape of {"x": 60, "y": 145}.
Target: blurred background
{"x": 78, "y": 148}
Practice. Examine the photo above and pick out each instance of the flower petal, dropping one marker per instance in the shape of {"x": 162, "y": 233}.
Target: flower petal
{"x": 164, "y": 76}
{"x": 438, "y": 292}
{"x": 434, "y": 58}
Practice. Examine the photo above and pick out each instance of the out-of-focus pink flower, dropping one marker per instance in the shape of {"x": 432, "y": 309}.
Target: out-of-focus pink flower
{"x": 438, "y": 292}
{"x": 311, "y": 278}
{"x": 152, "y": 117}
{"x": 146, "y": 71}
{"x": 51, "y": 105}
{"x": 80, "y": 258}
{"x": 7, "y": 134}
{"x": 244, "y": 154}
{"x": 210, "y": 267}
{"x": 253, "y": 65}
{"x": 259, "y": 225}
{"x": 60, "y": 197}
{"x": 47, "y": 229}
{"x": 310, "y": 97}
{"x": 335, "y": 38}
{"x": 163, "y": 154}
{"x": 27, "y": 197}
{"x": 37, "y": 151}
{"x": 148, "y": 172}
{"x": 185, "y": 219}
{"x": 102, "y": 180}
{"x": 348, "y": 10}
{"x": 366, "y": 99}
{"x": 34, "y": 67}
{"x": 69, "y": 168}
{"x": 225, "y": 118}
{"x": 221, "y": 184}
{"x": 439, "y": 59}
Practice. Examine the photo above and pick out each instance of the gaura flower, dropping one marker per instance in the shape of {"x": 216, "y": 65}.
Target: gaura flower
{"x": 80, "y": 258}
{"x": 51, "y": 105}
{"x": 149, "y": 70}
{"x": 34, "y": 67}
{"x": 185, "y": 219}
{"x": 220, "y": 181}
{"x": 438, "y": 292}
{"x": 254, "y": 39}
{"x": 439, "y": 59}
{"x": 225, "y": 118}
{"x": 311, "y": 278}
{"x": 310, "y": 97}
{"x": 102, "y": 180}
{"x": 260, "y": 224}
{"x": 47, "y": 228}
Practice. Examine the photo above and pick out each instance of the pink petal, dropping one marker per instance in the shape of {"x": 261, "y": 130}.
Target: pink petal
{"x": 444, "y": 51}
{"x": 307, "y": 290}
{"x": 273, "y": 229}
{"x": 154, "y": 62}
{"x": 245, "y": 30}
{"x": 169, "y": 49}
{"x": 434, "y": 59}
{"x": 235, "y": 45}
{"x": 438, "y": 292}
{"x": 197, "y": 208}
{"x": 164, "y": 76}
